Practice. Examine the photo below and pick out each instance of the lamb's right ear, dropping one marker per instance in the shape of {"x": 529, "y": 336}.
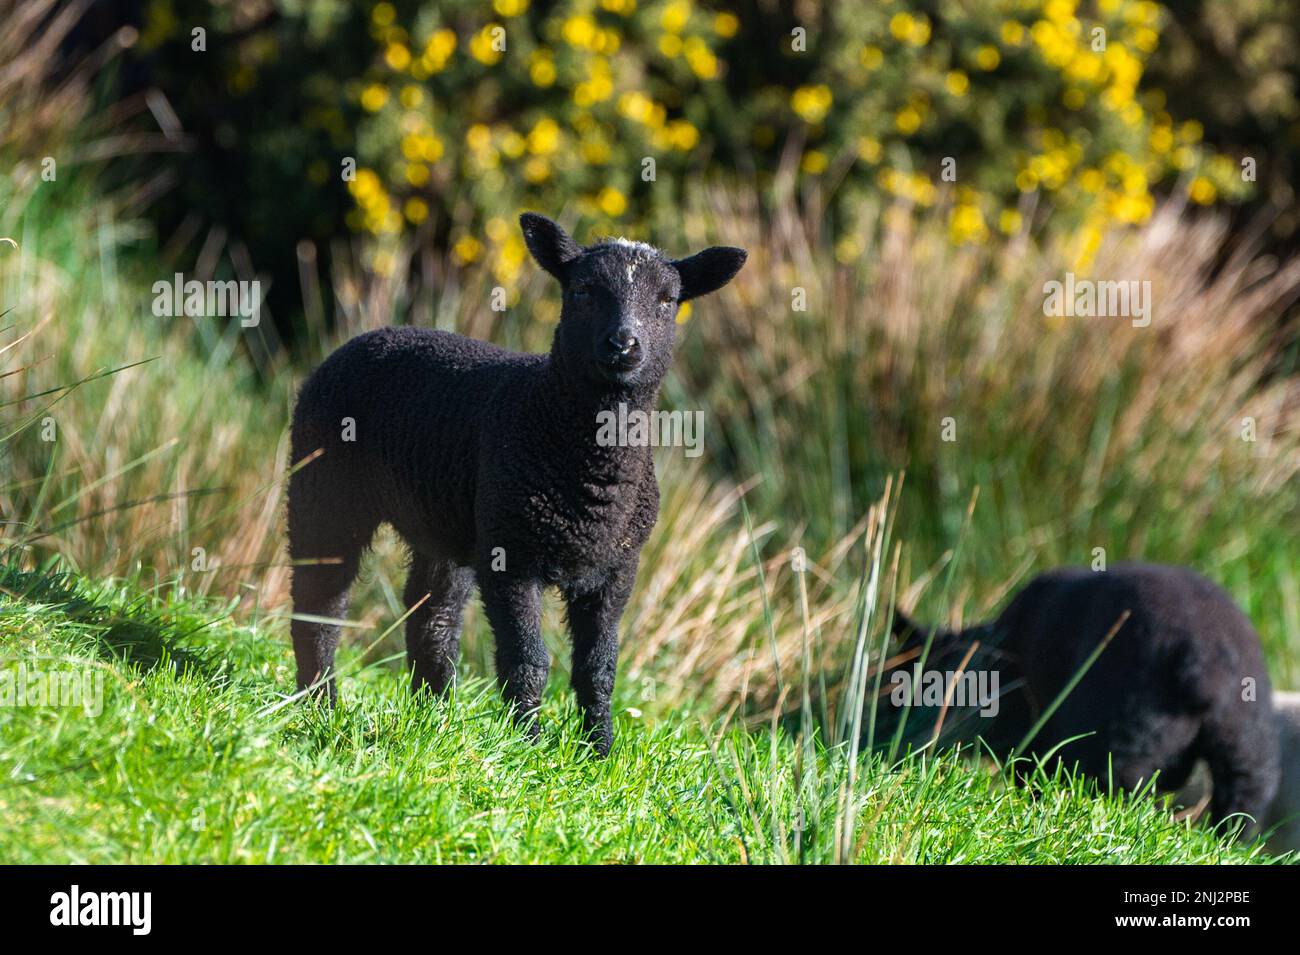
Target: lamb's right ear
{"x": 549, "y": 244}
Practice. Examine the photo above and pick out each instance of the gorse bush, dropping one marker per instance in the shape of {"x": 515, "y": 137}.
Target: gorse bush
{"x": 1236, "y": 67}
{"x": 432, "y": 123}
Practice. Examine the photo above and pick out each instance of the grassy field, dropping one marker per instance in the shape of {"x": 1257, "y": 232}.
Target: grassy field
{"x": 195, "y": 758}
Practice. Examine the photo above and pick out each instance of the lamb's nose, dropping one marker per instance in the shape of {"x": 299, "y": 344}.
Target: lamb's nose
{"x": 622, "y": 341}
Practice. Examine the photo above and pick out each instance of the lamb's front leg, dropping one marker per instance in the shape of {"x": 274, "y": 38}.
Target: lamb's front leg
{"x": 593, "y": 620}
{"x": 514, "y": 609}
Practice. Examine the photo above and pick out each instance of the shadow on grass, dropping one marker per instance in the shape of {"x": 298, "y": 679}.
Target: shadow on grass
{"x": 138, "y": 633}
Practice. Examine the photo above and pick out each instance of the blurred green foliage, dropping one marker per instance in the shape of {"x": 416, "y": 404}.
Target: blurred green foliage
{"x": 434, "y": 123}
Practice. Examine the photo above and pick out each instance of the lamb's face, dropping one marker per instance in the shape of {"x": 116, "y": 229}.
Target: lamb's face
{"x": 619, "y": 318}
{"x": 620, "y": 310}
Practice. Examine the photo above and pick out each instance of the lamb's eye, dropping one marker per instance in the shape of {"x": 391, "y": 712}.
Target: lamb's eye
{"x": 666, "y": 300}
{"x": 582, "y": 291}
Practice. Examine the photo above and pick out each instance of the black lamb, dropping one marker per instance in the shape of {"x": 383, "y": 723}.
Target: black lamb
{"x": 1182, "y": 679}
{"x": 491, "y": 467}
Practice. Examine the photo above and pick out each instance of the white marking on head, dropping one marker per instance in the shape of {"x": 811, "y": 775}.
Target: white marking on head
{"x": 640, "y": 250}
{"x": 631, "y": 244}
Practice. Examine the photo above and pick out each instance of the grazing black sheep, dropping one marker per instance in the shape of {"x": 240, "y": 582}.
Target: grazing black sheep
{"x": 1182, "y": 679}
{"x": 488, "y": 464}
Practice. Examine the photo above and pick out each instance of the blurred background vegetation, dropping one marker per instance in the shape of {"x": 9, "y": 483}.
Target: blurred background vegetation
{"x": 1117, "y": 154}
{"x": 458, "y": 114}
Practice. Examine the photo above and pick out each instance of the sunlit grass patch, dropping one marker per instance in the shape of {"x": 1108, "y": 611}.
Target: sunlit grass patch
{"x": 194, "y": 759}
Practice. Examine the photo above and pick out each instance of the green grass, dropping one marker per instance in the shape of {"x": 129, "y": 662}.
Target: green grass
{"x": 194, "y": 759}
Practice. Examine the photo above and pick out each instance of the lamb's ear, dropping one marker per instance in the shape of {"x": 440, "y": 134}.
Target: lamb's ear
{"x": 708, "y": 271}
{"x": 550, "y": 245}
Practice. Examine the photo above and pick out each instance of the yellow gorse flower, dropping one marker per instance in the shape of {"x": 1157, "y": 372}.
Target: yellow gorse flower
{"x": 987, "y": 58}
{"x": 811, "y": 103}
{"x": 966, "y": 224}
{"x": 1202, "y": 191}
{"x": 814, "y": 162}
{"x": 373, "y": 97}
{"x": 437, "y": 51}
{"x": 416, "y": 210}
{"x": 467, "y": 249}
{"x": 869, "y": 148}
{"x": 483, "y": 48}
{"x": 397, "y": 56}
{"x": 675, "y": 16}
{"x": 611, "y": 202}
{"x": 914, "y": 30}
{"x": 908, "y": 120}
{"x": 544, "y": 138}
{"x": 580, "y": 31}
{"x": 700, "y": 58}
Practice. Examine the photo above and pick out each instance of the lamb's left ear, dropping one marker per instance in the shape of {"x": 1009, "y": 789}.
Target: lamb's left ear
{"x": 550, "y": 245}
{"x": 708, "y": 271}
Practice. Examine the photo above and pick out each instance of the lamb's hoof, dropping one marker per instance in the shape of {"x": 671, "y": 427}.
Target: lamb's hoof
{"x": 322, "y": 694}
{"x": 431, "y": 689}
{"x": 600, "y": 733}
{"x": 529, "y": 725}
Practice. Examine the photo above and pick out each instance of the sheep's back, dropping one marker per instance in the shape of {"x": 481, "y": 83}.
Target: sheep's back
{"x": 1184, "y": 642}
{"x": 414, "y": 399}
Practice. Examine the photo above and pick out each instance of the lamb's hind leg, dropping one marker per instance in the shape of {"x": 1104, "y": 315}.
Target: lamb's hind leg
{"x": 320, "y": 590}
{"x": 433, "y": 628}
{"x": 327, "y": 535}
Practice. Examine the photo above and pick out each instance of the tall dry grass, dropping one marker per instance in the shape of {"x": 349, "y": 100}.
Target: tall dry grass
{"x": 1078, "y": 433}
